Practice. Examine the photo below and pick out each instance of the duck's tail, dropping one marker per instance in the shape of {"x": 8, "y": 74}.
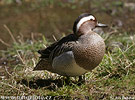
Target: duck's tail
{"x": 43, "y": 64}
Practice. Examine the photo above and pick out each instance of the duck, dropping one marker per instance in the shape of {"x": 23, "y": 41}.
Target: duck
{"x": 77, "y": 53}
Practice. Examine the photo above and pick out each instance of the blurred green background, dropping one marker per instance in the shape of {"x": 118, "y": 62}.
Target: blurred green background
{"x": 56, "y": 17}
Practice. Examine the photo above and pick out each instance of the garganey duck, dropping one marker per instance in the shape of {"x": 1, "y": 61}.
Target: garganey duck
{"x": 75, "y": 54}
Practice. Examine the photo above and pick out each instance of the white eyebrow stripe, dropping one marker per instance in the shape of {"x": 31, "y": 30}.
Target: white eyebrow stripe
{"x": 84, "y": 19}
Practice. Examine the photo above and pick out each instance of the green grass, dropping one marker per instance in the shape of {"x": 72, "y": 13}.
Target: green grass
{"x": 114, "y": 78}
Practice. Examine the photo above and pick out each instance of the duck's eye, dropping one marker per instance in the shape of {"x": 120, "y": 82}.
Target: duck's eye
{"x": 92, "y": 19}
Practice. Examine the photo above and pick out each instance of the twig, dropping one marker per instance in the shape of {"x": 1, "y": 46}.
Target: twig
{"x": 10, "y": 33}
{"x": 6, "y": 44}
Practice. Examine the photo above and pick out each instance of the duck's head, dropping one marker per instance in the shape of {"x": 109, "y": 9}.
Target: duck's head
{"x": 85, "y": 23}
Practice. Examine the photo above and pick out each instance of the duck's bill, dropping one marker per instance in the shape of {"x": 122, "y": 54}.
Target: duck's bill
{"x": 101, "y": 25}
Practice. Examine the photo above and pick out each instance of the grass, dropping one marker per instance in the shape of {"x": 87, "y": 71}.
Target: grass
{"x": 114, "y": 78}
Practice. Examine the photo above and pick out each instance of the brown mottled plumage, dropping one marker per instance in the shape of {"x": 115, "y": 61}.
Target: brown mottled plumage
{"x": 77, "y": 53}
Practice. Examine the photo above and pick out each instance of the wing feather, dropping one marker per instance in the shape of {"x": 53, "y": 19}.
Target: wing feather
{"x": 63, "y": 45}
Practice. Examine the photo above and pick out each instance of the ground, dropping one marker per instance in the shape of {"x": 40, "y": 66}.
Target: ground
{"x": 113, "y": 79}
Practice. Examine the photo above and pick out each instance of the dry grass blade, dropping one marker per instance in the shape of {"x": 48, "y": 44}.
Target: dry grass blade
{"x": 54, "y": 38}
{"x": 6, "y": 44}
{"x": 11, "y": 86}
{"x": 34, "y": 63}
{"x": 10, "y": 33}
{"x": 23, "y": 61}
{"x": 32, "y": 37}
{"x": 130, "y": 64}
{"x": 109, "y": 34}
{"x": 7, "y": 71}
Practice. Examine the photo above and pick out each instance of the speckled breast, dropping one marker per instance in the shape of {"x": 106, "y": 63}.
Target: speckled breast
{"x": 89, "y": 50}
